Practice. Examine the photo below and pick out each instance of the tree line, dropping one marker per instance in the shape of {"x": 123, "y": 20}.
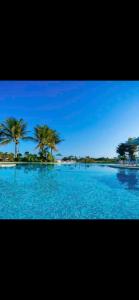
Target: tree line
{"x": 88, "y": 159}
{"x": 15, "y": 130}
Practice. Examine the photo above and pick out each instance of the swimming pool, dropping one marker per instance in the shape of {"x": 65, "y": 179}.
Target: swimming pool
{"x": 77, "y": 191}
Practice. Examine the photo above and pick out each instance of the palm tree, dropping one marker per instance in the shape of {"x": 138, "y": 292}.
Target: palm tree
{"x": 46, "y": 138}
{"x": 13, "y": 130}
{"x": 53, "y": 140}
{"x": 41, "y": 134}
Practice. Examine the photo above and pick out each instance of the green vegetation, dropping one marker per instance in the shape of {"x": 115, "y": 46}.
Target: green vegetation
{"x": 53, "y": 140}
{"x": 4, "y": 156}
{"x": 121, "y": 150}
{"x": 47, "y": 139}
{"x": 88, "y": 159}
{"x": 13, "y": 130}
{"x": 127, "y": 150}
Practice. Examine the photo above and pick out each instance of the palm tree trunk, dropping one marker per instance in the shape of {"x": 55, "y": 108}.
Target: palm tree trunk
{"x": 16, "y": 149}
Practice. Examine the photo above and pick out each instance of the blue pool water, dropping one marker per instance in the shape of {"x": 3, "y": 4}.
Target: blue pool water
{"x": 68, "y": 192}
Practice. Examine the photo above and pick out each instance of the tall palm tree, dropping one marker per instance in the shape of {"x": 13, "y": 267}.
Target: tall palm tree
{"x": 41, "y": 134}
{"x": 13, "y": 130}
{"x": 46, "y": 138}
{"x": 53, "y": 140}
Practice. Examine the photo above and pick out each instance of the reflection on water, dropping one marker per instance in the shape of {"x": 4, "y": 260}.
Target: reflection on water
{"x": 39, "y": 176}
{"x": 84, "y": 191}
{"x": 129, "y": 178}
{"x": 48, "y": 175}
{"x": 34, "y": 167}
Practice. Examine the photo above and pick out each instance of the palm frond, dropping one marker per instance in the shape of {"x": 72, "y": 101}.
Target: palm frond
{"x": 28, "y": 138}
{"x": 4, "y": 142}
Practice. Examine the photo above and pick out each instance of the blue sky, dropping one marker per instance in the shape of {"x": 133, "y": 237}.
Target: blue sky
{"x": 92, "y": 116}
